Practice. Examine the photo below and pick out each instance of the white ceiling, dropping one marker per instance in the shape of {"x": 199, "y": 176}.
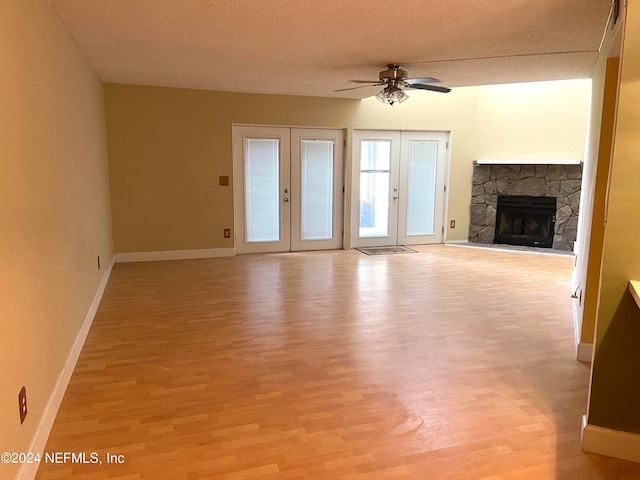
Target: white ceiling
{"x": 313, "y": 47}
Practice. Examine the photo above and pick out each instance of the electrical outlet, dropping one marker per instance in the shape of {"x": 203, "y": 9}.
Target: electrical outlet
{"x": 227, "y": 233}
{"x": 452, "y": 224}
{"x": 22, "y": 404}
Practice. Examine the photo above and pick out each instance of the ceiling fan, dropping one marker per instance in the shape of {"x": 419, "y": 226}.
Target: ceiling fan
{"x": 394, "y": 79}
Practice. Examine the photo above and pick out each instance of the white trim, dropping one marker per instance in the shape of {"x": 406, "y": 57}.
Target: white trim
{"x": 613, "y": 443}
{"x": 39, "y": 441}
{"x": 173, "y": 255}
{"x": 494, "y": 246}
{"x": 487, "y": 161}
{"x": 584, "y": 352}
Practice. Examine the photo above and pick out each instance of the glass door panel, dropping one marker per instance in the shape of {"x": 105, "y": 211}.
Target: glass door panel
{"x": 316, "y": 213}
{"x": 262, "y": 189}
{"x": 421, "y": 187}
{"x": 375, "y": 164}
{"x": 374, "y": 204}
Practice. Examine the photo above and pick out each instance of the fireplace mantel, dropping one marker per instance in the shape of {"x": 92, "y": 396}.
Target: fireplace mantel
{"x": 487, "y": 161}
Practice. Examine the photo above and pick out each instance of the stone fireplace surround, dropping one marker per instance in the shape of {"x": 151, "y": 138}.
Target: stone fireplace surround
{"x": 561, "y": 181}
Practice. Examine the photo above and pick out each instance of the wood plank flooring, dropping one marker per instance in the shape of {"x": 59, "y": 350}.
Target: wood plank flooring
{"x": 450, "y": 363}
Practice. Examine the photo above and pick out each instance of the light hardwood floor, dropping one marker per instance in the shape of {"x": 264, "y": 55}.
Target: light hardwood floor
{"x": 450, "y": 363}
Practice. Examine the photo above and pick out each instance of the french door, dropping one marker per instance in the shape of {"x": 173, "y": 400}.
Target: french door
{"x": 398, "y": 188}
{"x": 288, "y": 189}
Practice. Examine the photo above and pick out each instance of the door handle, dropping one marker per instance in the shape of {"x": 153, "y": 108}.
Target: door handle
{"x": 286, "y": 199}
{"x": 395, "y": 197}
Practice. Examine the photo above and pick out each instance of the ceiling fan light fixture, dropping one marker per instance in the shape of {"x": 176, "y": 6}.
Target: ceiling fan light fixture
{"x": 398, "y": 95}
{"x": 392, "y": 94}
{"x": 382, "y": 96}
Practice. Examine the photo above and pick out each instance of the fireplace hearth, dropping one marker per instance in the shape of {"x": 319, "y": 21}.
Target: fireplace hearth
{"x": 523, "y": 220}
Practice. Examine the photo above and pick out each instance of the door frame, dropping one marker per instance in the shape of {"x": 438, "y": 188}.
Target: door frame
{"x": 353, "y": 239}
{"x": 285, "y": 132}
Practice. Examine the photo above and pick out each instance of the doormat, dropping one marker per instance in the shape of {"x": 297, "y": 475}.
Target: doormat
{"x": 385, "y": 250}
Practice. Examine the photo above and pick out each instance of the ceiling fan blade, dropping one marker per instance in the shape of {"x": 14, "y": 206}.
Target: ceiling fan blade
{"x": 433, "y": 88}
{"x": 413, "y": 81}
{"x": 377, "y": 82}
{"x": 361, "y": 86}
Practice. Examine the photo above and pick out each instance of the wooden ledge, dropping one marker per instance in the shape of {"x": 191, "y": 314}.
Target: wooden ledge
{"x": 634, "y": 288}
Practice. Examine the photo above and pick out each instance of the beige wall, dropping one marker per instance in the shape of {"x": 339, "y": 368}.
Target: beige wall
{"x": 541, "y": 120}
{"x": 54, "y": 208}
{"x": 615, "y": 387}
{"x": 168, "y": 146}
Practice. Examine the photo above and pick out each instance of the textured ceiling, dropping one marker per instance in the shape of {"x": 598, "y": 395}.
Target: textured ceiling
{"x": 313, "y": 47}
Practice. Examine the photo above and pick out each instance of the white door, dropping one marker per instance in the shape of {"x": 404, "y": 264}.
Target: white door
{"x": 288, "y": 189}
{"x": 317, "y": 174}
{"x": 374, "y": 218}
{"x": 399, "y": 180}
{"x": 422, "y": 186}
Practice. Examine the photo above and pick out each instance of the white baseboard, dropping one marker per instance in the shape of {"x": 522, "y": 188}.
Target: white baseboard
{"x": 174, "y": 255}
{"x": 39, "y": 441}
{"x": 456, "y": 242}
{"x": 584, "y": 352}
{"x": 612, "y": 443}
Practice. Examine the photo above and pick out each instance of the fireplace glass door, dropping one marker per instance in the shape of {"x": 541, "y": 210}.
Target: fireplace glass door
{"x": 528, "y": 221}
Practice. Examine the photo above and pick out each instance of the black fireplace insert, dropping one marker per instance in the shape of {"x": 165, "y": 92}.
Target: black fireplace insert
{"x": 528, "y": 221}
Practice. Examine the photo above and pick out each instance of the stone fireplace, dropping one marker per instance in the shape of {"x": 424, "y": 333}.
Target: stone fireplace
{"x": 561, "y": 182}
